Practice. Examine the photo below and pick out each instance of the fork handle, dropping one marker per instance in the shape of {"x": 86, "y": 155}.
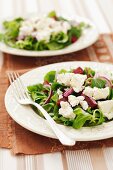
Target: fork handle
{"x": 64, "y": 139}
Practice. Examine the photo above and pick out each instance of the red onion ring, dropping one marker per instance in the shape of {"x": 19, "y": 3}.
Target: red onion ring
{"x": 49, "y": 96}
{"x": 108, "y": 82}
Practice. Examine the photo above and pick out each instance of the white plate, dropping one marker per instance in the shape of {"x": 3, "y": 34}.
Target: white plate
{"x": 88, "y": 37}
{"x": 27, "y": 118}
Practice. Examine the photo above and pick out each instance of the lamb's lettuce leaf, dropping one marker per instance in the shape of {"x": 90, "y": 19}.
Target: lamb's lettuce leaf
{"x": 52, "y": 14}
{"x": 89, "y": 72}
{"x": 50, "y": 76}
{"x": 99, "y": 83}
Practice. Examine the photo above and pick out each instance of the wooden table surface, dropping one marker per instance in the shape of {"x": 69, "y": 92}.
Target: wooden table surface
{"x": 101, "y": 13}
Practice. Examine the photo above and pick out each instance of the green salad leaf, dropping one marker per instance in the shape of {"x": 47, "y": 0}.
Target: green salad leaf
{"x": 36, "y": 87}
{"x": 59, "y": 37}
{"x": 110, "y": 97}
{"x": 98, "y": 83}
{"x": 55, "y": 97}
{"x": 27, "y": 43}
{"x": 99, "y": 118}
{"x": 81, "y": 120}
{"x": 52, "y": 14}
{"x": 54, "y": 46}
{"x": 50, "y": 76}
{"x": 49, "y": 107}
{"x": 12, "y": 27}
{"x": 89, "y": 72}
{"x": 56, "y": 86}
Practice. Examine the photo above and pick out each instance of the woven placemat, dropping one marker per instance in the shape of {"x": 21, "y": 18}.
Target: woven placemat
{"x": 20, "y": 140}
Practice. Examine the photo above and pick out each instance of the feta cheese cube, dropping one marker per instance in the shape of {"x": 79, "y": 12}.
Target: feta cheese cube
{"x": 66, "y": 110}
{"x": 77, "y": 81}
{"x": 107, "y": 108}
{"x": 74, "y": 101}
{"x": 100, "y": 93}
{"x": 84, "y": 105}
{"x": 64, "y": 78}
{"x": 96, "y": 93}
{"x": 88, "y": 91}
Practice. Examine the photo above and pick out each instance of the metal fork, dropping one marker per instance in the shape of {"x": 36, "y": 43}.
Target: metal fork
{"x": 22, "y": 97}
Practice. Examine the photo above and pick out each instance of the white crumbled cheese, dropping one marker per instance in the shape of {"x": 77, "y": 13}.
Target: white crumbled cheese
{"x": 84, "y": 105}
{"x": 74, "y": 80}
{"x": 26, "y": 30}
{"x": 60, "y": 93}
{"x": 77, "y": 82}
{"x": 43, "y": 28}
{"x": 96, "y": 93}
{"x": 43, "y": 35}
{"x": 64, "y": 78}
{"x": 74, "y": 101}
{"x": 66, "y": 110}
{"x": 66, "y": 26}
{"x": 100, "y": 93}
{"x": 88, "y": 91}
{"x": 107, "y": 108}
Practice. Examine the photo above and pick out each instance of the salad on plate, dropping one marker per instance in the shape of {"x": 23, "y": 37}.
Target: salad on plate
{"x": 50, "y": 32}
{"x": 79, "y": 97}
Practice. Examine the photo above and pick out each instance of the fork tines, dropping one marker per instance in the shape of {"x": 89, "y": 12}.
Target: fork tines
{"x": 18, "y": 87}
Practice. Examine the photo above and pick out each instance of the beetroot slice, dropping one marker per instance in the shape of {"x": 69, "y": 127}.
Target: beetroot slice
{"x": 91, "y": 102}
{"x": 73, "y": 39}
{"x": 60, "y": 100}
{"x": 78, "y": 70}
{"x": 68, "y": 92}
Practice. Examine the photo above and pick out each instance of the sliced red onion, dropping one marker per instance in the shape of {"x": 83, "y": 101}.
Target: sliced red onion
{"x": 78, "y": 70}
{"x": 68, "y": 92}
{"x": 49, "y": 96}
{"x": 91, "y": 102}
{"x": 108, "y": 82}
{"x": 46, "y": 84}
{"x": 60, "y": 100}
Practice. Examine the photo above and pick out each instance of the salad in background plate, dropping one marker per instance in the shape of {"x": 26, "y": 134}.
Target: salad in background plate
{"x": 51, "y": 32}
{"x": 77, "y": 97}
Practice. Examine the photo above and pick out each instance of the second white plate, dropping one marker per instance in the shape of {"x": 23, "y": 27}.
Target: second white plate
{"x": 88, "y": 38}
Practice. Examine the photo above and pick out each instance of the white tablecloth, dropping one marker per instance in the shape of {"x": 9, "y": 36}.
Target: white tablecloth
{"x": 101, "y": 13}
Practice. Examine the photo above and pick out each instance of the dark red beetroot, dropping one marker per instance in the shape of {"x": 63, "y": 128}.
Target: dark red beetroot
{"x": 91, "y": 102}
{"x": 78, "y": 70}
{"x": 73, "y": 39}
{"x": 68, "y": 92}
{"x": 60, "y": 100}
{"x": 49, "y": 96}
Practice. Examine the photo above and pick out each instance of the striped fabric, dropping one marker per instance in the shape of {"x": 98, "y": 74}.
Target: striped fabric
{"x": 92, "y": 159}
